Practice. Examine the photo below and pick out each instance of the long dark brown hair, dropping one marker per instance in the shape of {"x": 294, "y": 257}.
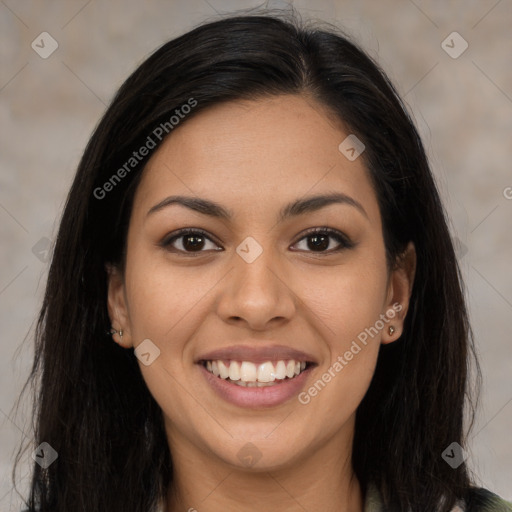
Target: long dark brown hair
{"x": 92, "y": 405}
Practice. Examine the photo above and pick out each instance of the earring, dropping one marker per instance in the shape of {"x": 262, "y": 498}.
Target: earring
{"x": 120, "y": 332}
{"x": 391, "y": 330}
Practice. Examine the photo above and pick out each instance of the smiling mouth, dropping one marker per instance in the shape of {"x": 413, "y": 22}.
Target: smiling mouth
{"x": 248, "y": 374}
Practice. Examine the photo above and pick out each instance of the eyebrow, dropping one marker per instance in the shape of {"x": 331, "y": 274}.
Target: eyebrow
{"x": 293, "y": 209}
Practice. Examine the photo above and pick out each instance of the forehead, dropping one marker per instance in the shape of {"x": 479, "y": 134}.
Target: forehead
{"x": 260, "y": 153}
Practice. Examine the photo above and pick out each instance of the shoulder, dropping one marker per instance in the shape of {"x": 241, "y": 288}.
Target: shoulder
{"x": 477, "y": 500}
{"x": 483, "y": 500}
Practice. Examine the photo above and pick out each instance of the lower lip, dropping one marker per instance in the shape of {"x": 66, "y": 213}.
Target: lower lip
{"x": 254, "y": 397}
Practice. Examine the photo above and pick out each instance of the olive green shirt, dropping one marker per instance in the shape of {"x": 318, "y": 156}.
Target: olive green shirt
{"x": 481, "y": 500}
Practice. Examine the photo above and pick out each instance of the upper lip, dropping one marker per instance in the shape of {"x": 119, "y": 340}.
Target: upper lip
{"x": 257, "y": 354}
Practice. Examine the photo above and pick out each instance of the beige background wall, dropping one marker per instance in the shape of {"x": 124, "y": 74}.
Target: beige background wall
{"x": 463, "y": 107}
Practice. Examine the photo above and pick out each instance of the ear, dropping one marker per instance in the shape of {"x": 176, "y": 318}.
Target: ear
{"x": 117, "y": 307}
{"x": 399, "y": 293}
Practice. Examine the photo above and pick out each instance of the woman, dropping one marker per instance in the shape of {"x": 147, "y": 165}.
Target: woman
{"x": 254, "y": 300}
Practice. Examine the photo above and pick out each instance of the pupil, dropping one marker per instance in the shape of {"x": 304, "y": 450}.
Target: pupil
{"x": 191, "y": 244}
{"x": 319, "y": 242}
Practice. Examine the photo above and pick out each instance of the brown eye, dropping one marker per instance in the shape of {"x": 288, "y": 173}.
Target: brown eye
{"x": 189, "y": 240}
{"x": 320, "y": 239}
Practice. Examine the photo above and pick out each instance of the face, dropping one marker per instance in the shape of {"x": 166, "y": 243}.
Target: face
{"x": 268, "y": 283}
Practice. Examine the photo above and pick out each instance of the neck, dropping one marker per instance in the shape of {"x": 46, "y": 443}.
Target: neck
{"x": 323, "y": 480}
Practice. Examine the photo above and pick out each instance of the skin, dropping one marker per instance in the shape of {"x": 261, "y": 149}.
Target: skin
{"x": 254, "y": 157}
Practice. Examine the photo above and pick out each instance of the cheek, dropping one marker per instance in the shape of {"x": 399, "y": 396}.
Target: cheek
{"x": 349, "y": 308}
{"x": 347, "y": 300}
{"x": 163, "y": 297}
{"x": 166, "y": 306}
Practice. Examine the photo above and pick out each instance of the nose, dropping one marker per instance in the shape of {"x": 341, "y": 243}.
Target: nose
{"x": 256, "y": 294}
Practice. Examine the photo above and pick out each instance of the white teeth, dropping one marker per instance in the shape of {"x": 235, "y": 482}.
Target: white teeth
{"x": 266, "y": 372}
{"x": 280, "y": 370}
{"x": 253, "y": 384}
{"x": 248, "y": 371}
{"x": 223, "y": 369}
{"x": 248, "y": 374}
{"x": 290, "y": 369}
{"x": 234, "y": 371}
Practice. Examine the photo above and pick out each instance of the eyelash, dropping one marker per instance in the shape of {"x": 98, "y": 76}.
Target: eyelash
{"x": 343, "y": 240}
